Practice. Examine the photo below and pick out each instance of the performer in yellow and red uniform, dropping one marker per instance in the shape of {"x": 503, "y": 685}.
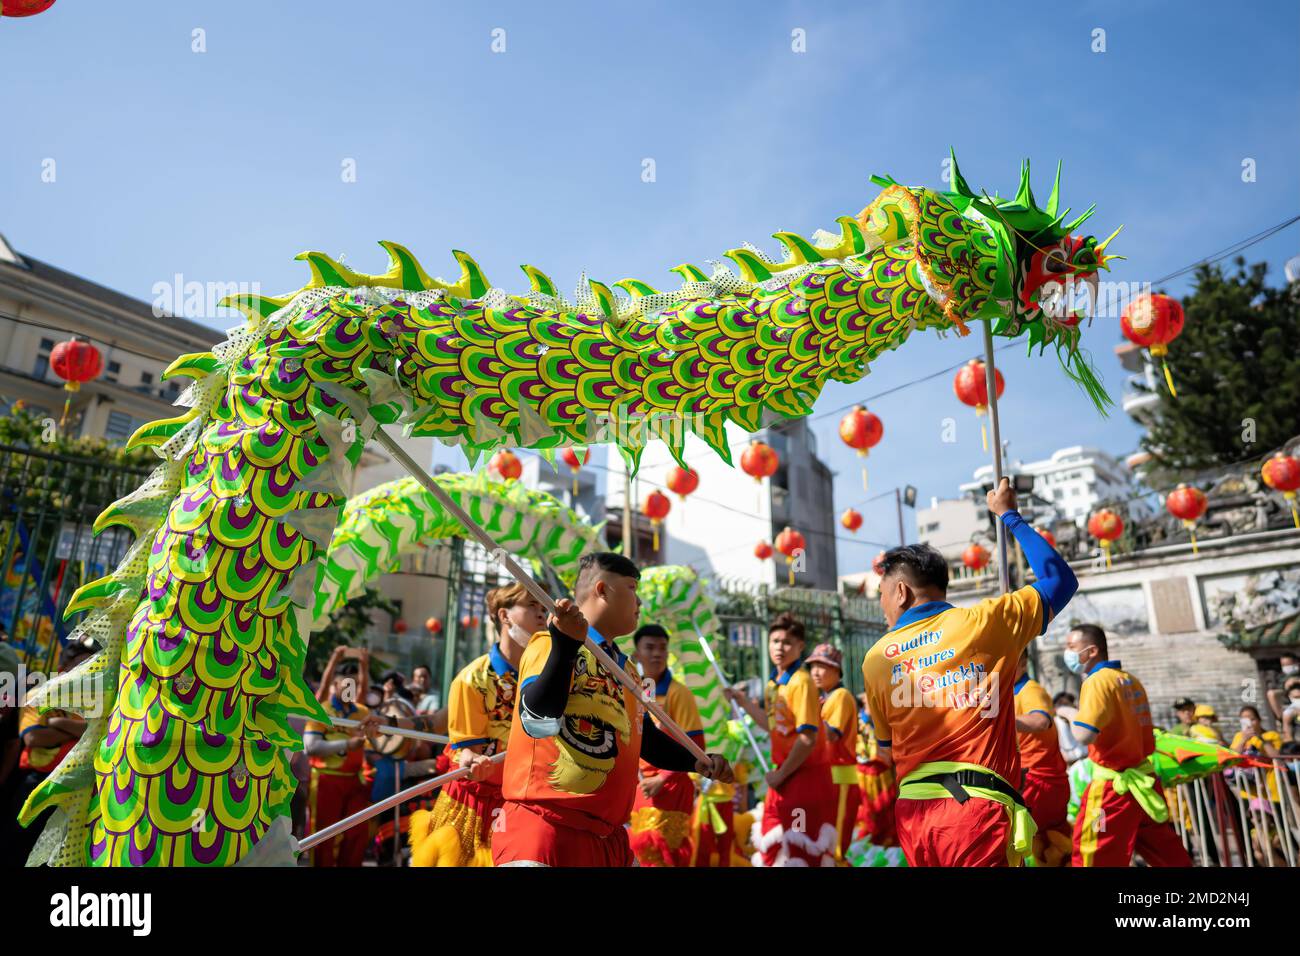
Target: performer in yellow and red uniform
{"x": 1043, "y": 780}
{"x": 878, "y": 784}
{"x": 840, "y": 739}
{"x": 481, "y": 705}
{"x": 797, "y": 828}
{"x": 661, "y": 812}
{"x": 713, "y": 823}
{"x": 940, "y": 689}
{"x": 338, "y": 786}
{"x": 578, "y": 734}
{"x": 1123, "y": 808}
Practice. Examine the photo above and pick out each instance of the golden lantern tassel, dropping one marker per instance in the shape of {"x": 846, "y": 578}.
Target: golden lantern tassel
{"x": 1295, "y": 515}
{"x": 70, "y": 387}
{"x": 1105, "y": 547}
{"x": 655, "y": 525}
{"x": 1169, "y": 378}
{"x": 575, "y": 484}
{"x": 984, "y": 429}
{"x": 1191, "y": 529}
{"x": 789, "y": 563}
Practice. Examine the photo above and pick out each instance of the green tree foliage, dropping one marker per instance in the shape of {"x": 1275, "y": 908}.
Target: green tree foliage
{"x": 346, "y": 626}
{"x": 1237, "y": 362}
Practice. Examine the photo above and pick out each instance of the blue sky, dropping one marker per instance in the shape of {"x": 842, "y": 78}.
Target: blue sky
{"x": 222, "y": 165}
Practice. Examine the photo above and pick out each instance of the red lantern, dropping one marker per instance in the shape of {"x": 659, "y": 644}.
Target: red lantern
{"x": 506, "y": 464}
{"x": 399, "y": 626}
{"x": 1282, "y": 473}
{"x": 24, "y": 8}
{"x": 469, "y": 621}
{"x": 682, "y": 481}
{"x": 759, "y": 460}
{"x": 74, "y": 361}
{"x": 433, "y": 625}
{"x": 972, "y": 388}
{"x": 976, "y": 557}
{"x": 656, "y": 508}
{"x": 862, "y": 430}
{"x": 790, "y": 543}
{"x": 1187, "y": 504}
{"x": 575, "y": 461}
{"x": 851, "y": 520}
{"x": 1105, "y": 526}
{"x": 878, "y": 564}
{"x": 1152, "y": 322}
{"x": 1046, "y": 536}
{"x": 762, "y": 551}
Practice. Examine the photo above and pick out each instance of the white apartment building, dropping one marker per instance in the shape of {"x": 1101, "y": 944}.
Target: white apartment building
{"x": 1075, "y": 481}
{"x": 950, "y": 524}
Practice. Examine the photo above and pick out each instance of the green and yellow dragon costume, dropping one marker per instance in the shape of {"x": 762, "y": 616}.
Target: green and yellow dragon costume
{"x": 185, "y": 760}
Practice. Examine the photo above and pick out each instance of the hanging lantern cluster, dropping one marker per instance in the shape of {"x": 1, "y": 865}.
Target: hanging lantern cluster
{"x": 1046, "y": 536}
{"x": 575, "y": 460}
{"x": 656, "y": 508}
{"x": 861, "y": 430}
{"x": 790, "y": 543}
{"x": 1282, "y": 473}
{"x": 759, "y": 460}
{"x": 1106, "y": 526}
{"x": 878, "y": 564}
{"x": 763, "y": 551}
{"x": 971, "y": 386}
{"x": 851, "y": 519}
{"x": 75, "y": 362}
{"x": 399, "y": 626}
{"x": 469, "y": 621}
{"x": 506, "y": 464}
{"x": 976, "y": 557}
{"x": 433, "y": 625}
{"x": 1187, "y": 504}
{"x": 1152, "y": 322}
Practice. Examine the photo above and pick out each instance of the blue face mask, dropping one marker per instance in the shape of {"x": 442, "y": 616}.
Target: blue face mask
{"x": 1072, "y": 662}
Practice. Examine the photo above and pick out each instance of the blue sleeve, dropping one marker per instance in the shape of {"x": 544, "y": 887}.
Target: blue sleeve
{"x": 1055, "y": 581}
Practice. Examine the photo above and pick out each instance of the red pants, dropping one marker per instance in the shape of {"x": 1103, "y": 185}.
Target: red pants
{"x": 843, "y": 809}
{"x": 333, "y": 797}
{"x": 534, "y": 834}
{"x": 797, "y": 827}
{"x": 1110, "y": 826}
{"x": 1048, "y": 797}
{"x": 660, "y": 833}
{"x": 707, "y": 842}
{"x": 943, "y": 832}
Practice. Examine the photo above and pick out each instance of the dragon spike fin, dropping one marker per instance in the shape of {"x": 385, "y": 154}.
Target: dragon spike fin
{"x": 852, "y": 241}
{"x": 689, "y": 273}
{"x": 405, "y": 271}
{"x": 1054, "y": 200}
{"x": 156, "y": 433}
{"x": 194, "y": 364}
{"x": 801, "y": 250}
{"x": 326, "y": 271}
{"x": 1025, "y": 194}
{"x": 540, "y": 281}
{"x": 1080, "y": 220}
{"x": 959, "y": 184}
{"x": 712, "y": 430}
{"x": 255, "y": 307}
{"x": 472, "y": 284}
{"x": 604, "y": 298}
{"x": 753, "y": 268}
{"x": 636, "y": 288}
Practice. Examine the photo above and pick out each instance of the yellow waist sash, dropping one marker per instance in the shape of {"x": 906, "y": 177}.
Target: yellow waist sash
{"x": 1140, "y": 783}
{"x": 1023, "y": 827}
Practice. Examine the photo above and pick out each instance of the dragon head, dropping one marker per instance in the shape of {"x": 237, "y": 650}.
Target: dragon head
{"x": 1040, "y": 259}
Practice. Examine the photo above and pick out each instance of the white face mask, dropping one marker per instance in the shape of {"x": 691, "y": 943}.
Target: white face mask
{"x": 1291, "y": 669}
{"x": 1247, "y": 723}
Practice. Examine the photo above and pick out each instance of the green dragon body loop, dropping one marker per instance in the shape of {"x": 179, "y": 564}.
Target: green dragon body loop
{"x": 204, "y": 624}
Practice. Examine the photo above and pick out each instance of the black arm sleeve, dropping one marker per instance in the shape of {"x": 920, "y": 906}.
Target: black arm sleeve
{"x": 660, "y": 750}
{"x": 548, "y": 692}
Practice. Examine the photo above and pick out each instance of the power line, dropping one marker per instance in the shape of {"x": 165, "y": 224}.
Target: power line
{"x": 165, "y": 361}
{"x": 1236, "y": 247}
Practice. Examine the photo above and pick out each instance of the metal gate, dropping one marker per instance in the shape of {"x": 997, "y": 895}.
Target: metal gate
{"x": 48, "y": 506}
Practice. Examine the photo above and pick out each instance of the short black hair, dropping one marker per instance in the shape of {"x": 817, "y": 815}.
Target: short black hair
{"x": 923, "y": 565}
{"x": 347, "y": 669}
{"x": 648, "y": 630}
{"x": 793, "y": 627}
{"x": 593, "y": 562}
{"x": 1094, "y": 635}
{"x": 1064, "y": 697}
{"x": 1252, "y": 708}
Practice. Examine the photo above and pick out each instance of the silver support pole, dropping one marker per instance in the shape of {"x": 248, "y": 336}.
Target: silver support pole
{"x": 361, "y": 816}
{"x": 990, "y": 381}
{"x": 735, "y": 708}
{"x": 500, "y": 554}
{"x": 394, "y": 731}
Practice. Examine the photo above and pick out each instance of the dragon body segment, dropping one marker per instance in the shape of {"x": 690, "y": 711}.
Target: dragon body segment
{"x": 204, "y": 624}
